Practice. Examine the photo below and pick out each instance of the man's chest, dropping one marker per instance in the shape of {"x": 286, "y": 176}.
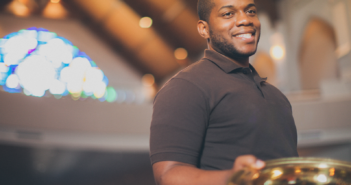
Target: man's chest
{"x": 239, "y": 106}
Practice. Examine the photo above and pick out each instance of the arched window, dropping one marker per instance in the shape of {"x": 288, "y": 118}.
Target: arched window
{"x": 317, "y": 58}
{"x": 37, "y": 62}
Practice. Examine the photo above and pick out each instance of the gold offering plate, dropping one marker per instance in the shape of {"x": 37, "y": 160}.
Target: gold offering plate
{"x": 301, "y": 171}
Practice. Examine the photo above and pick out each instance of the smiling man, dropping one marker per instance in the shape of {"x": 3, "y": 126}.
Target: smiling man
{"x": 218, "y": 115}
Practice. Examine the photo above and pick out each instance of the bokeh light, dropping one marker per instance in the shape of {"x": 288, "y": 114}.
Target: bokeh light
{"x": 111, "y": 94}
{"x": 12, "y": 81}
{"x": 36, "y": 74}
{"x": 148, "y": 80}
{"x": 277, "y": 52}
{"x": 57, "y": 87}
{"x": 55, "y": 10}
{"x": 18, "y": 9}
{"x": 99, "y": 90}
{"x": 180, "y": 53}
{"x": 145, "y": 22}
{"x": 322, "y": 178}
{"x": 276, "y": 173}
{"x": 37, "y": 62}
{"x": 121, "y": 96}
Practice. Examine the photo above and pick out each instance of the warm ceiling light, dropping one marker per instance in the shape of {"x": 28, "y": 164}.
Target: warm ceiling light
{"x": 180, "y": 54}
{"x": 277, "y": 52}
{"x": 55, "y": 1}
{"x": 18, "y": 9}
{"x": 148, "y": 80}
{"x": 145, "y": 22}
{"x": 55, "y": 10}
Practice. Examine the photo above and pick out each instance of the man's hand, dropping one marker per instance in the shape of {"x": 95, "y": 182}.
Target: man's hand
{"x": 177, "y": 173}
{"x": 248, "y": 161}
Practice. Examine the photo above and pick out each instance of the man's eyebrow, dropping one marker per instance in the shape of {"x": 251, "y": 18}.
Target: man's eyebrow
{"x": 231, "y": 6}
{"x": 250, "y": 5}
{"x": 226, "y": 6}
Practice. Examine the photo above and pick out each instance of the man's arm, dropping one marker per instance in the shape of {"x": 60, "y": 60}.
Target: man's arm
{"x": 178, "y": 173}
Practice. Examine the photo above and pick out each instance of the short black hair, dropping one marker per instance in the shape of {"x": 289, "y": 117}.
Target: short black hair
{"x": 204, "y": 8}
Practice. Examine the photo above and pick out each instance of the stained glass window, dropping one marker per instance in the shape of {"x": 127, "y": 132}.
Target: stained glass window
{"x": 37, "y": 62}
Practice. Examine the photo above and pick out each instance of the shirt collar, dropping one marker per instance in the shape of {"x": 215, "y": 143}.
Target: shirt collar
{"x": 226, "y": 64}
{"x": 221, "y": 61}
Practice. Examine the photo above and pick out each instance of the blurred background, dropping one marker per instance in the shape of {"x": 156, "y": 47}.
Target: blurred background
{"x": 80, "y": 113}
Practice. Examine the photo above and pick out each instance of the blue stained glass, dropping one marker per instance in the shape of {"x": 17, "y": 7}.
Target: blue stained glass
{"x": 93, "y": 64}
{"x": 105, "y": 80}
{"x": 31, "y": 51}
{"x": 3, "y": 78}
{"x": 75, "y": 51}
{"x": 41, "y": 29}
{"x": 33, "y": 28}
{"x": 40, "y": 43}
{"x": 89, "y": 94}
{"x": 44, "y": 36}
{"x": 102, "y": 99}
{"x": 65, "y": 40}
{"x": 82, "y": 54}
{"x": 10, "y": 35}
{"x": 29, "y": 33}
{"x": 65, "y": 93}
{"x": 64, "y": 65}
{"x": 43, "y": 66}
{"x": 11, "y": 90}
{"x": 12, "y": 69}
{"x": 2, "y": 42}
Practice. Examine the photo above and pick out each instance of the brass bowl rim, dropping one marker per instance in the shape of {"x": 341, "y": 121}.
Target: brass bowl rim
{"x": 307, "y": 161}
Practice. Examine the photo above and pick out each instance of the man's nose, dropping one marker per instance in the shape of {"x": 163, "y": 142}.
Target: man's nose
{"x": 243, "y": 19}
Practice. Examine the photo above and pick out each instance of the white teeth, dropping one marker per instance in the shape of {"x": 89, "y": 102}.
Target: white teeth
{"x": 247, "y": 35}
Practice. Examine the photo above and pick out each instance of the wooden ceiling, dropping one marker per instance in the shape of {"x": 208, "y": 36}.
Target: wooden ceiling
{"x": 148, "y": 50}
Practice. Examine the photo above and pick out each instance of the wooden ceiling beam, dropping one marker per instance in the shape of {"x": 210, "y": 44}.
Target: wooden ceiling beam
{"x": 122, "y": 23}
{"x": 175, "y": 22}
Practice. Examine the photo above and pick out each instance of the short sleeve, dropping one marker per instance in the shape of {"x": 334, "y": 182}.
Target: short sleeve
{"x": 179, "y": 122}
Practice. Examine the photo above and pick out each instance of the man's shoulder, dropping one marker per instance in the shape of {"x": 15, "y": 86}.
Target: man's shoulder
{"x": 198, "y": 71}
{"x": 195, "y": 75}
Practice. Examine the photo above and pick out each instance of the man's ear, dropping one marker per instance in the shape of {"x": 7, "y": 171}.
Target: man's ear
{"x": 203, "y": 29}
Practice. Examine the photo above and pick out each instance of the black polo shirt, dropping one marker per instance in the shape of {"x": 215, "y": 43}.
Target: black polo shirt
{"x": 214, "y": 111}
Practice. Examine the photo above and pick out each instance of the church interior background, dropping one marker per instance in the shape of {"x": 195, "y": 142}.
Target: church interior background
{"x": 98, "y": 134}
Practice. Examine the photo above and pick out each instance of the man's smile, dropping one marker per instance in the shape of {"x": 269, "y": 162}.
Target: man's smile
{"x": 247, "y": 37}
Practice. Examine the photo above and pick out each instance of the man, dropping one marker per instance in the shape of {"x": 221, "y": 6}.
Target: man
{"x": 217, "y": 115}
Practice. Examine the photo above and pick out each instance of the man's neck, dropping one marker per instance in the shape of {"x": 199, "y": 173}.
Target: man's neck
{"x": 243, "y": 62}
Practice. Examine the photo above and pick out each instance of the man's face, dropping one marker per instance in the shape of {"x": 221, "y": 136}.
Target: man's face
{"x": 234, "y": 28}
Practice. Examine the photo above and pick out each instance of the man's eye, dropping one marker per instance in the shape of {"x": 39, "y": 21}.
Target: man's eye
{"x": 252, "y": 11}
{"x": 228, "y": 14}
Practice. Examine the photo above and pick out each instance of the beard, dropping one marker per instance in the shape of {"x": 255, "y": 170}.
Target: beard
{"x": 222, "y": 45}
